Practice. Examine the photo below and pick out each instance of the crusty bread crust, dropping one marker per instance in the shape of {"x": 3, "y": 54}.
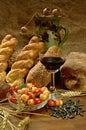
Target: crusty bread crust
{"x": 73, "y": 71}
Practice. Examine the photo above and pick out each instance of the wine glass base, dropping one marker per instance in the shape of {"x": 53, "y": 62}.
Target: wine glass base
{"x": 55, "y": 96}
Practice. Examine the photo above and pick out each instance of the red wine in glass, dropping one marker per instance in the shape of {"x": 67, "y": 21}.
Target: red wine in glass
{"x": 52, "y": 64}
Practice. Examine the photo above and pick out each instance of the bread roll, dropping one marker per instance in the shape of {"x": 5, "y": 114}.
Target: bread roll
{"x": 73, "y": 71}
{"x": 38, "y": 75}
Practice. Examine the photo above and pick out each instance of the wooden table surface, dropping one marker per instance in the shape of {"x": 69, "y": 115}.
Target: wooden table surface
{"x": 46, "y": 122}
{"x": 51, "y": 123}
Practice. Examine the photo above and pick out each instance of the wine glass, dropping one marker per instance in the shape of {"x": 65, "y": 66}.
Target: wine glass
{"x": 52, "y": 64}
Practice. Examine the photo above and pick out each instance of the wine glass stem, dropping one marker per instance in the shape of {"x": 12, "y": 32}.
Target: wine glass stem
{"x": 52, "y": 82}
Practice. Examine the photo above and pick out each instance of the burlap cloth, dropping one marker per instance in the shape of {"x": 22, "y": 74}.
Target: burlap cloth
{"x": 16, "y": 13}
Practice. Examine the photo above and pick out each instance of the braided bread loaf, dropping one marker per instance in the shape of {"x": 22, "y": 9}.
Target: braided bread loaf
{"x": 24, "y": 61}
{"x": 6, "y": 50}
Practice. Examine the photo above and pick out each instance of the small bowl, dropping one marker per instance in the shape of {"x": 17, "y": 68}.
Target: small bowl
{"x": 30, "y": 108}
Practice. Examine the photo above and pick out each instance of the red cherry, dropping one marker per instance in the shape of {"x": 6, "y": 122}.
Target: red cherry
{"x": 51, "y": 102}
{"x": 37, "y": 100}
{"x": 39, "y": 91}
{"x": 13, "y": 99}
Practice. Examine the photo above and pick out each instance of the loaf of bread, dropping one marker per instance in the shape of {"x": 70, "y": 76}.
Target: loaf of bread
{"x": 4, "y": 87}
{"x": 6, "y": 50}
{"x": 38, "y": 74}
{"x": 73, "y": 71}
{"x": 24, "y": 61}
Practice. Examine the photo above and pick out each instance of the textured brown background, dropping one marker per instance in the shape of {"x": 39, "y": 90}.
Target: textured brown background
{"x": 16, "y": 13}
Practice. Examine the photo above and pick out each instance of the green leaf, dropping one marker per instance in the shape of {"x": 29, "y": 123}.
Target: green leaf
{"x": 23, "y": 86}
{"x": 37, "y": 95}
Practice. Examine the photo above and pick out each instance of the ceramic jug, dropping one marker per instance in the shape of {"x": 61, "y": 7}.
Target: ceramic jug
{"x": 50, "y": 31}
